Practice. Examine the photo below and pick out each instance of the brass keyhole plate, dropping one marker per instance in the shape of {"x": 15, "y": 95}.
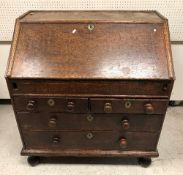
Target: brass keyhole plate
{"x": 91, "y": 27}
{"x": 128, "y": 104}
{"x": 89, "y": 135}
{"x": 90, "y": 118}
{"x": 51, "y": 102}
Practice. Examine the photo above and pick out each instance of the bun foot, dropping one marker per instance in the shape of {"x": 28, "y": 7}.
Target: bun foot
{"x": 33, "y": 160}
{"x": 144, "y": 161}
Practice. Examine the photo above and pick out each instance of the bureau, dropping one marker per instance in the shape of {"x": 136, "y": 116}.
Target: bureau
{"x": 90, "y": 83}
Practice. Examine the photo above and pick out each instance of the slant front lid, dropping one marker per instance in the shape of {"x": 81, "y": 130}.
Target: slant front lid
{"x": 91, "y": 45}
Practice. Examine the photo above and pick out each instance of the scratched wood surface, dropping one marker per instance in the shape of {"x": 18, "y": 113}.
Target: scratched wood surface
{"x": 49, "y": 48}
{"x": 90, "y": 83}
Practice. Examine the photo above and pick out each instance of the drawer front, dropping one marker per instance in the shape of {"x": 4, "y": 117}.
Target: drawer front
{"x": 91, "y": 140}
{"x": 146, "y": 106}
{"x": 52, "y": 104}
{"x": 110, "y": 122}
{"x": 94, "y": 87}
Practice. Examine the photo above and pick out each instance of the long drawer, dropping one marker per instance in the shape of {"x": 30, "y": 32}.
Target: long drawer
{"x": 110, "y": 122}
{"x": 144, "y": 88}
{"x": 91, "y": 140}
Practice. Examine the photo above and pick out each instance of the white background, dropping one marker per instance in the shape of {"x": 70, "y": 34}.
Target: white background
{"x": 10, "y": 9}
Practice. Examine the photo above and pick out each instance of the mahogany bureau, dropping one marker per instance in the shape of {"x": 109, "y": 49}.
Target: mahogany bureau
{"x": 90, "y": 83}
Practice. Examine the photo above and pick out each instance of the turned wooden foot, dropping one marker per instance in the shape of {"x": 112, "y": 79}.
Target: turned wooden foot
{"x": 144, "y": 161}
{"x": 33, "y": 160}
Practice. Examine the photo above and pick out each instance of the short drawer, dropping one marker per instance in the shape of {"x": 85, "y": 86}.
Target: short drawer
{"x": 110, "y": 122}
{"x": 143, "y": 106}
{"x": 91, "y": 140}
{"x": 52, "y": 104}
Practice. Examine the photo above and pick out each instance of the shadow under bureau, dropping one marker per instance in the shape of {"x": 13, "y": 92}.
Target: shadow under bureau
{"x": 90, "y": 83}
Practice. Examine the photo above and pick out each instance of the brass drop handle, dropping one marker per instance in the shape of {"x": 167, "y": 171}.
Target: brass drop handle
{"x": 149, "y": 108}
{"x": 56, "y": 139}
{"x": 70, "y": 106}
{"x": 31, "y": 105}
{"x": 125, "y": 124}
{"x": 123, "y": 142}
{"x": 52, "y": 122}
{"x": 108, "y": 107}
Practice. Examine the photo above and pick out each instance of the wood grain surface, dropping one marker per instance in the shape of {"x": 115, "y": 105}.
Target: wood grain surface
{"x": 90, "y": 83}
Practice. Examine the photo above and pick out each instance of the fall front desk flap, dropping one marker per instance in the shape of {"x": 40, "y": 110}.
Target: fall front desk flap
{"x": 91, "y": 45}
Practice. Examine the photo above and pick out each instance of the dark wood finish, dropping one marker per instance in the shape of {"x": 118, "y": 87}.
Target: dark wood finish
{"x": 144, "y": 161}
{"x": 37, "y": 43}
{"x": 110, "y": 122}
{"x": 54, "y": 104}
{"x": 90, "y": 83}
{"x": 111, "y": 48}
{"x": 97, "y": 105}
{"x": 125, "y": 88}
{"x": 148, "y": 106}
{"x": 89, "y": 153}
{"x": 104, "y": 140}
